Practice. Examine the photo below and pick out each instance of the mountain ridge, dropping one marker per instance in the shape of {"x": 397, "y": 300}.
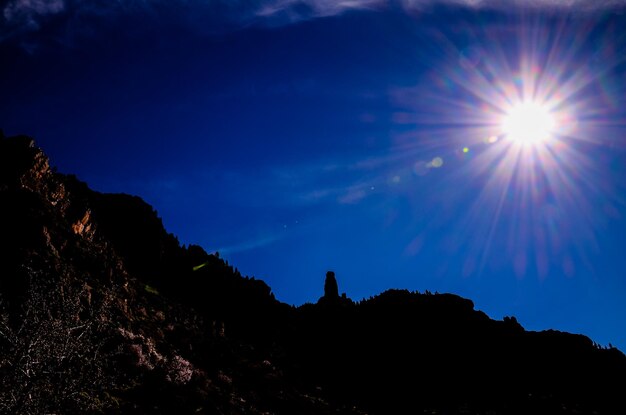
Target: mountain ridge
{"x": 102, "y": 310}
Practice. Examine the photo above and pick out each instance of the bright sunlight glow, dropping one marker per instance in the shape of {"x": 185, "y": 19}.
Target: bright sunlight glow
{"x": 528, "y": 123}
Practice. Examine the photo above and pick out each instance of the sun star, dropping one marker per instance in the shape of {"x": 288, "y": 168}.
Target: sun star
{"x": 528, "y": 123}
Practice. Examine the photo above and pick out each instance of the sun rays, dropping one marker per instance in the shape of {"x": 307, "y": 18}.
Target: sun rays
{"x": 522, "y": 120}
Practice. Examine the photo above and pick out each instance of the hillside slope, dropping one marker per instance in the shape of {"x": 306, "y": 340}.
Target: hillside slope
{"x": 102, "y": 311}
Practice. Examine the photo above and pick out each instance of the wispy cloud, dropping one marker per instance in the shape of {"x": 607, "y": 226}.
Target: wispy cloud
{"x": 250, "y": 244}
{"x": 28, "y": 12}
{"x": 294, "y": 10}
{"x": 500, "y": 4}
{"x": 28, "y": 16}
{"x": 321, "y": 8}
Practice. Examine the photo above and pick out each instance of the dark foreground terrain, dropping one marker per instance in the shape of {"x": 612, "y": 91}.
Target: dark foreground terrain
{"x": 102, "y": 311}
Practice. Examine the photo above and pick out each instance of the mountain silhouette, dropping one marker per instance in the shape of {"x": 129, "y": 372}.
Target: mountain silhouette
{"x": 103, "y": 311}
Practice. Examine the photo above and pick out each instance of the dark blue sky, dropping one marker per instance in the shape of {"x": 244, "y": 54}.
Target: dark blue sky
{"x": 364, "y": 137}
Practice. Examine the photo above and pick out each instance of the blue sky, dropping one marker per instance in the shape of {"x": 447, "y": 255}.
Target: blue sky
{"x": 364, "y": 137}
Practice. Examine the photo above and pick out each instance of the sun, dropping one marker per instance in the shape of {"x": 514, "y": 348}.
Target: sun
{"x": 528, "y": 122}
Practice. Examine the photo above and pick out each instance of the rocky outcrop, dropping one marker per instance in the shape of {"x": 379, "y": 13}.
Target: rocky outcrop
{"x": 331, "y": 293}
{"x": 331, "y": 290}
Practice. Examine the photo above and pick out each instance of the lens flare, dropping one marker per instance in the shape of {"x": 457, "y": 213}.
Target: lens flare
{"x": 530, "y": 128}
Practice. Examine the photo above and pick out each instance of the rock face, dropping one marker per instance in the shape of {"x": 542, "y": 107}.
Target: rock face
{"x": 102, "y": 311}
